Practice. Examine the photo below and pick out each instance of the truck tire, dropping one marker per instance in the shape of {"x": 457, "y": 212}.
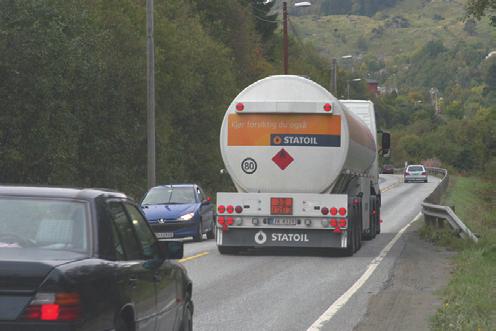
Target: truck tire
{"x": 371, "y": 233}
{"x": 228, "y": 250}
{"x": 358, "y": 234}
{"x": 378, "y": 220}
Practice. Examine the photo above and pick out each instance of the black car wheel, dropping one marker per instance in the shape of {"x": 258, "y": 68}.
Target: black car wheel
{"x": 120, "y": 324}
{"x": 199, "y": 233}
{"x": 187, "y": 322}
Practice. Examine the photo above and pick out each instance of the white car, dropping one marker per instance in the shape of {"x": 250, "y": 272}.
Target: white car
{"x": 415, "y": 173}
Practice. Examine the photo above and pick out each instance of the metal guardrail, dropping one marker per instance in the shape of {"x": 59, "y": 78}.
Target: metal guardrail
{"x": 435, "y": 214}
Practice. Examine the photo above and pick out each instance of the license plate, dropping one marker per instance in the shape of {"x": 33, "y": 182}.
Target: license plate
{"x": 283, "y": 221}
{"x": 165, "y": 235}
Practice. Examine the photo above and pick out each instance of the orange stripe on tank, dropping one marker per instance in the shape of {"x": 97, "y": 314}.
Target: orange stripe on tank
{"x": 256, "y": 129}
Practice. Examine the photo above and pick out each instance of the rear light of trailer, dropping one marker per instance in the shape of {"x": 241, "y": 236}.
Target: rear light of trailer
{"x": 240, "y": 106}
{"x": 221, "y": 209}
{"x": 324, "y": 211}
{"x": 238, "y": 209}
{"x": 327, "y": 107}
{"x": 230, "y": 220}
{"x": 53, "y": 307}
{"x": 230, "y": 209}
{"x": 343, "y": 223}
{"x": 221, "y": 220}
{"x": 333, "y": 222}
{"x": 342, "y": 211}
{"x": 334, "y": 211}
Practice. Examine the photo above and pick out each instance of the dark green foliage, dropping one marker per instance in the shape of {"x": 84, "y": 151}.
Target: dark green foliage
{"x": 73, "y": 87}
{"x": 479, "y": 8}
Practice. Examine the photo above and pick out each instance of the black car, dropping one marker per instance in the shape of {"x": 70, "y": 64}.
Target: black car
{"x": 86, "y": 259}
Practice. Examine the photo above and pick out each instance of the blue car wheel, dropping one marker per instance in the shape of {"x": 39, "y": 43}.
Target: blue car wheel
{"x": 199, "y": 232}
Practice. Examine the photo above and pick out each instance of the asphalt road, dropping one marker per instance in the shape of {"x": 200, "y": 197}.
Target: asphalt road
{"x": 291, "y": 292}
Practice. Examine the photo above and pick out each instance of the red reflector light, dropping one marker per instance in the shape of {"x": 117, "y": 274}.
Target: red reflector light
{"x": 373, "y": 212}
{"x": 32, "y": 313}
{"x": 230, "y": 221}
{"x": 334, "y": 211}
{"x": 238, "y": 209}
{"x": 342, "y": 211}
{"x": 240, "y": 106}
{"x": 342, "y": 223}
{"x": 221, "y": 209}
{"x": 324, "y": 211}
{"x": 333, "y": 223}
{"x": 221, "y": 220}
{"x": 327, "y": 107}
{"x": 230, "y": 209}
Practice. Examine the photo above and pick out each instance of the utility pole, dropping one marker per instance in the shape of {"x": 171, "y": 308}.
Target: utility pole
{"x": 334, "y": 77}
{"x": 150, "y": 75}
{"x": 285, "y": 35}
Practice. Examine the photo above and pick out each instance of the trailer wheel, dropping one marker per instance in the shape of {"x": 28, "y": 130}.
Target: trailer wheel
{"x": 358, "y": 234}
{"x": 378, "y": 220}
{"x": 351, "y": 242}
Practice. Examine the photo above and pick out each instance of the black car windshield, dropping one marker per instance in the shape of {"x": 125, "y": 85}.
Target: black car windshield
{"x": 43, "y": 224}
{"x": 415, "y": 168}
{"x": 170, "y": 195}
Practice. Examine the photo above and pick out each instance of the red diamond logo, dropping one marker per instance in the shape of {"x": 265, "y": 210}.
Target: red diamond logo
{"x": 282, "y": 159}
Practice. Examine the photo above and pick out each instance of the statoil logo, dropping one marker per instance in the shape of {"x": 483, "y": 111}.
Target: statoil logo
{"x": 260, "y": 237}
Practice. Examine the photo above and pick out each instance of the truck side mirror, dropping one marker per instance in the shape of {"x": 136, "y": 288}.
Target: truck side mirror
{"x": 385, "y": 142}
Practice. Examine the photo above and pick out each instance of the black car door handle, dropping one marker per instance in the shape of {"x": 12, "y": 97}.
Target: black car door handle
{"x": 132, "y": 282}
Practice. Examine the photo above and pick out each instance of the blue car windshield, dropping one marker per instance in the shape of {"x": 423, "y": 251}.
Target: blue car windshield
{"x": 169, "y": 195}
{"x": 43, "y": 224}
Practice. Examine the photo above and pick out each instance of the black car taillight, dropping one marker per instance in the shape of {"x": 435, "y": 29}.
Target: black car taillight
{"x": 53, "y": 307}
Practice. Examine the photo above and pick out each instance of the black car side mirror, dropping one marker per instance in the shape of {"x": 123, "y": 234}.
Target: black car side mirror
{"x": 171, "y": 250}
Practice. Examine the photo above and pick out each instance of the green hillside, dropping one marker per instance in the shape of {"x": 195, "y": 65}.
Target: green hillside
{"x": 396, "y": 32}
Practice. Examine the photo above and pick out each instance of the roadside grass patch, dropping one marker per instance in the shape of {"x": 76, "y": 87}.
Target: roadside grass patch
{"x": 469, "y": 301}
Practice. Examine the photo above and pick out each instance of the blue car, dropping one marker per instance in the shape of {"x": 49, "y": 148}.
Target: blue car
{"x": 179, "y": 211}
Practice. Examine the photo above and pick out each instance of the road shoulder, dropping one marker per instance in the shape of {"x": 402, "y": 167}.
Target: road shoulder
{"x": 409, "y": 298}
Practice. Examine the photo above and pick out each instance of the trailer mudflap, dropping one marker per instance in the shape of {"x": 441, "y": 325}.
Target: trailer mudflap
{"x": 267, "y": 237}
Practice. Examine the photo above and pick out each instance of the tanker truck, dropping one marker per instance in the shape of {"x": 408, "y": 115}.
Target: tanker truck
{"x": 305, "y": 166}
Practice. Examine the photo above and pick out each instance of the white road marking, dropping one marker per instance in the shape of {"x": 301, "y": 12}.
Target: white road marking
{"x": 343, "y": 299}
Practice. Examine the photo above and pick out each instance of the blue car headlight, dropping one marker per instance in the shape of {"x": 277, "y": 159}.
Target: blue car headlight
{"x": 186, "y": 217}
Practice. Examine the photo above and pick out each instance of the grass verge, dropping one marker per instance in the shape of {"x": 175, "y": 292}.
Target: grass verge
{"x": 469, "y": 301}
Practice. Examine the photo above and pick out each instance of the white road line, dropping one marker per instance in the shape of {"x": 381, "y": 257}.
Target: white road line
{"x": 343, "y": 299}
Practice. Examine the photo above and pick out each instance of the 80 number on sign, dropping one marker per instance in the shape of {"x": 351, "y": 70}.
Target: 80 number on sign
{"x": 249, "y": 165}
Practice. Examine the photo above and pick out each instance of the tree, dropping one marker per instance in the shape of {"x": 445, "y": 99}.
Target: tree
{"x": 480, "y": 8}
